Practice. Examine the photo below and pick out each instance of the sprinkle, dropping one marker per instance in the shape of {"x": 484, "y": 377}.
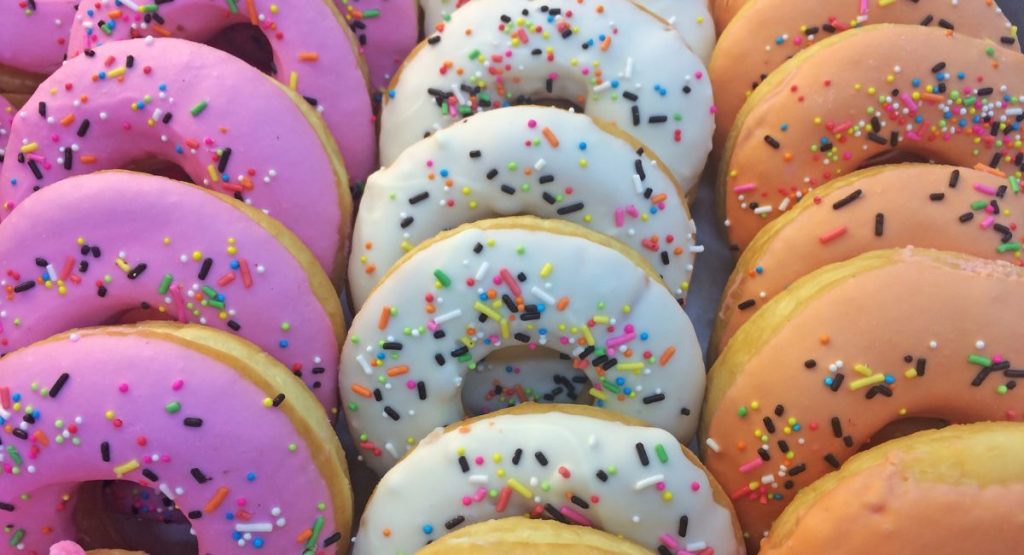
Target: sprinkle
{"x": 442, "y": 278}
{"x": 125, "y": 468}
{"x": 62, "y": 380}
{"x": 864, "y": 382}
{"x": 198, "y": 108}
{"x": 218, "y": 497}
{"x": 848, "y": 199}
{"x": 520, "y": 488}
{"x": 833, "y": 235}
{"x": 649, "y": 481}
{"x": 550, "y": 137}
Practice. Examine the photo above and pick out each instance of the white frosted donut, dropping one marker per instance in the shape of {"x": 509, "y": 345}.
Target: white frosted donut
{"x": 614, "y": 59}
{"x": 524, "y": 160}
{"x": 511, "y": 282}
{"x": 690, "y": 17}
{"x": 511, "y": 377}
{"x": 570, "y": 463}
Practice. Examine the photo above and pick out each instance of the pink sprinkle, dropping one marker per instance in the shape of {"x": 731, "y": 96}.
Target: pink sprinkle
{"x": 669, "y": 541}
{"x": 912, "y": 135}
{"x": 660, "y": 486}
{"x": 842, "y": 127}
{"x": 696, "y": 486}
{"x": 574, "y": 516}
{"x": 620, "y": 217}
{"x": 55, "y": 138}
{"x": 410, "y": 384}
{"x": 240, "y": 501}
{"x": 982, "y": 188}
{"x": 632, "y": 211}
{"x": 479, "y": 461}
{"x": 987, "y": 222}
{"x": 532, "y": 123}
{"x": 863, "y": 7}
{"x": 614, "y": 342}
{"x": 177, "y": 384}
{"x": 629, "y": 327}
{"x": 123, "y": 387}
{"x": 699, "y": 75}
{"x": 467, "y": 501}
{"x": 432, "y": 325}
{"x": 744, "y": 188}
{"x": 909, "y": 101}
{"x": 713, "y": 109}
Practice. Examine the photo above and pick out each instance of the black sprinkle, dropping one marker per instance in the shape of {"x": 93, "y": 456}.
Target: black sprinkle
{"x": 235, "y": 326}
{"x": 636, "y": 116}
{"x": 406, "y": 222}
{"x": 684, "y": 521}
{"x": 848, "y": 199}
{"x": 517, "y": 456}
{"x": 278, "y": 399}
{"x": 638, "y": 166}
{"x": 24, "y": 286}
{"x": 463, "y": 464}
{"x": 810, "y": 363}
{"x": 392, "y": 413}
{"x": 541, "y": 458}
{"x": 579, "y": 502}
{"x": 602, "y": 475}
{"x": 391, "y": 346}
{"x": 769, "y": 424}
{"x": 474, "y": 154}
{"x": 641, "y": 452}
{"x": 832, "y": 460}
{"x": 332, "y": 539}
{"x": 6, "y": 507}
{"x": 150, "y": 475}
{"x": 945, "y": 24}
{"x": 876, "y": 138}
{"x": 105, "y": 451}
{"x": 35, "y": 169}
{"x": 454, "y": 522}
{"x": 837, "y": 381}
{"x": 419, "y": 198}
{"x": 657, "y": 397}
{"x": 657, "y": 119}
{"x": 58, "y": 385}
{"x": 42, "y": 109}
{"x": 225, "y": 156}
{"x": 570, "y": 209}
{"x": 935, "y": 197}
{"x": 421, "y": 389}
{"x": 938, "y": 67}
{"x": 920, "y": 366}
{"x": 83, "y": 128}
{"x": 434, "y": 39}
{"x": 837, "y": 427}
{"x": 193, "y": 422}
{"x": 630, "y": 96}
{"x": 772, "y": 142}
{"x": 966, "y": 217}
{"x": 796, "y": 470}
{"x": 879, "y": 224}
{"x": 747, "y": 304}
{"x": 136, "y": 271}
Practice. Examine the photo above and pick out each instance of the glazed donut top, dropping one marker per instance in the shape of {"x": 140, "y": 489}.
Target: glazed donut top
{"x": 562, "y": 462}
{"x": 35, "y": 32}
{"x": 120, "y": 242}
{"x": 386, "y": 31}
{"x": 892, "y": 490}
{"x": 690, "y": 17}
{"x": 179, "y": 100}
{"x": 845, "y": 351}
{"x": 524, "y": 160}
{"x": 768, "y": 32}
{"x": 617, "y": 61}
{"x": 314, "y": 54}
{"x": 514, "y": 282}
{"x": 182, "y": 409}
{"x": 834, "y": 106}
{"x": 933, "y": 206}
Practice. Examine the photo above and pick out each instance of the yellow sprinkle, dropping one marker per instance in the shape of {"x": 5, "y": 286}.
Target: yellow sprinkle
{"x": 884, "y": 3}
{"x": 520, "y": 488}
{"x": 911, "y": 373}
{"x": 630, "y": 366}
{"x": 504, "y": 328}
{"x": 30, "y": 147}
{"x": 116, "y": 72}
{"x": 545, "y": 270}
{"x": 601, "y": 319}
{"x": 293, "y": 81}
{"x": 214, "y": 176}
{"x": 125, "y": 468}
{"x": 598, "y": 394}
{"x": 864, "y": 382}
{"x": 863, "y": 369}
{"x": 122, "y": 264}
{"x": 488, "y": 311}
{"x": 588, "y": 336}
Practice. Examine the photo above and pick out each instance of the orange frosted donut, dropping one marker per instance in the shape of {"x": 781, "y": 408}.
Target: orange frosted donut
{"x": 934, "y": 206}
{"x": 848, "y": 350}
{"x": 766, "y": 33}
{"x": 724, "y": 10}
{"x": 878, "y": 91}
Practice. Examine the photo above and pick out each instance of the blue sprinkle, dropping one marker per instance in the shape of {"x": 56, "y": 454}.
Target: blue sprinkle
{"x": 583, "y": 145}
{"x": 283, "y": 343}
{"x": 444, "y": 172}
{"x": 889, "y": 379}
{"x": 380, "y": 356}
{"x": 644, "y": 336}
{"x": 257, "y": 543}
{"x": 230, "y": 516}
{"x": 250, "y": 476}
{"x": 234, "y": 265}
{"x": 428, "y": 529}
{"x": 620, "y": 381}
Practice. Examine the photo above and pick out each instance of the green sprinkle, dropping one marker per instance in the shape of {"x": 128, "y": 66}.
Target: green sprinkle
{"x": 1013, "y": 246}
{"x": 978, "y": 205}
{"x": 209, "y": 291}
{"x": 609, "y": 385}
{"x": 367, "y": 14}
{"x": 742, "y": 412}
{"x": 13, "y": 453}
{"x": 1015, "y": 183}
{"x": 659, "y": 450}
{"x": 198, "y": 108}
{"x": 172, "y": 407}
{"x": 474, "y": 54}
{"x": 443, "y": 278}
{"x": 165, "y": 284}
{"x": 16, "y": 538}
{"x": 318, "y": 525}
{"x": 979, "y": 360}
{"x": 233, "y": 6}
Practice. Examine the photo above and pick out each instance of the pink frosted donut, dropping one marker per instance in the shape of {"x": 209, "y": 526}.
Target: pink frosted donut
{"x": 387, "y": 30}
{"x": 180, "y": 101}
{"x": 200, "y": 415}
{"x": 135, "y": 246}
{"x": 33, "y": 41}
{"x": 314, "y": 54}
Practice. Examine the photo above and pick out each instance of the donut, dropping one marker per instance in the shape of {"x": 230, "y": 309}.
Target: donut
{"x": 496, "y": 284}
{"x": 120, "y": 245}
{"x": 6, "y": 118}
{"x": 512, "y": 376}
{"x": 67, "y": 547}
{"x": 831, "y": 109}
{"x": 386, "y": 30}
{"x": 690, "y": 17}
{"x": 182, "y": 409}
{"x": 524, "y": 160}
{"x": 724, "y": 10}
{"x": 314, "y": 54}
{"x": 569, "y": 463}
{"x": 848, "y": 349}
{"x": 933, "y": 206}
{"x": 522, "y": 536}
{"x": 892, "y": 489}
{"x": 178, "y": 101}
{"x": 33, "y": 41}
{"x": 612, "y": 59}
{"x": 768, "y": 32}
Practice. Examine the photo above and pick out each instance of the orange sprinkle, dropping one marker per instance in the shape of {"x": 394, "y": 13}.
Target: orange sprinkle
{"x": 385, "y": 316}
{"x": 67, "y": 120}
{"x": 550, "y": 136}
{"x": 160, "y": 30}
{"x": 667, "y": 355}
{"x": 308, "y": 56}
{"x": 463, "y": 429}
{"x": 360, "y": 390}
{"x": 606, "y": 43}
{"x": 41, "y": 438}
{"x": 659, "y": 198}
{"x": 87, "y": 158}
{"x": 989, "y": 170}
{"x": 243, "y": 267}
{"x": 398, "y": 370}
{"x": 253, "y": 16}
{"x": 824, "y": 339}
{"x": 370, "y": 268}
{"x": 114, "y": 14}
{"x": 226, "y": 279}
{"x": 932, "y": 97}
{"x": 218, "y": 497}
{"x": 562, "y": 303}
{"x": 833, "y": 235}
{"x": 304, "y": 535}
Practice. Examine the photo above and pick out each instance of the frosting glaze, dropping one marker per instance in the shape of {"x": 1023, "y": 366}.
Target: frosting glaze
{"x": 34, "y": 39}
{"x": 891, "y": 490}
{"x": 178, "y": 100}
{"x": 513, "y": 376}
{"x": 524, "y": 160}
{"x": 615, "y": 60}
{"x": 559, "y": 462}
{"x": 834, "y": 106}
{"x": 505, "y": 283}
{"x": 768, "y": 32}
{"x": 521, "y": 535}
{"x": 690, "y": 17}
{"x": 314, "y": 54}
{"x": 126, "y": 244}
{"x": 933, "y": 206}
{"x": 847, "y": 350}
{"x": 386, "y": 30}
{"x": 147, "y": 404}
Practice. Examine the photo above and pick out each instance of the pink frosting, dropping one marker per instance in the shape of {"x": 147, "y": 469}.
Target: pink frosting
{"x": 180, "y": 101}
{"x": 6, "y": 117}
{"x": 387, "y": 31}
{"x": 34, "y": 40}
{"x": 66, "y": 548}
{"x": 297, "y": 32}
{"x": 160, "y": 414}
{"x": 103, "y": 229}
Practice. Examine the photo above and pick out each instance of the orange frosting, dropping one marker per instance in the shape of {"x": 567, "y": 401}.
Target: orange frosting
{"x": 724, "y": 10}
{"x": 912, "y": 333}
{"x": 889, "y": 206}
{"x": 832, "y": 108}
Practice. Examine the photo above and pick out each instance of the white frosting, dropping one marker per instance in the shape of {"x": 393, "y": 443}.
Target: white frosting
{"x": 500, "y": 163}
{"x": 690, "y": 17}
{"x": 654, "y": 361}
{"x": 635, "y": 53}
{"x": 518, "y": 374}
{"x": 428, "y": 490}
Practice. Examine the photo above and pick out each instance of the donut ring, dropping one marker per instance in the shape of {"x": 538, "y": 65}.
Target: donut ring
{"x": 121, "y": 242}
{"x": 859, "y": 124}
{"x": 34, "y": 41}
{"x": 533, "y": 459}
{"x": 519, "y": 535}
{"x": 283, "y": 162}
{"x": 513, "y": 376}
{"x": 908, "y": 330}
{"x": 386, "y": 31}
{"x": 312, "y": 44}
{"x": 927, "y": 475}
{"x": 690, "y": 17}
{"x": 433, "y": 316}
{"x": 608, "y": 57}
{"x": 164, "y": 385}
{"x": 766, "y": 33}
{"x": 888, "y": 206}
{"x": 524, "y": 160}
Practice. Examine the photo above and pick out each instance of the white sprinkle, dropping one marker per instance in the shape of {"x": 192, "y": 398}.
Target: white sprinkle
{"x": 713, "y": 445}
{"x": 540, "y": 164}
{"x": 696, "y": 546}
{"x": 542, "y": 295}
{"x": 448, "y": 316}
{"x": 1014, "y": 111}
{"x": 648, "y": 481}
{"x": 979, "y": 344}
{"x": 366, "y": 367}
{"x": 478, "y": 479}
{"x": 166, "y": 491}
{"x": 458, "y": 93}
{"x": 254, "y": 526}
{"x": 628, "y": 73}
{"x": 784, "y": 204}
{"x": 696, "y": 248}
{"x": 638, "y": 184}
{"x": 763, "y": 210}
{"x": 481, "y": 271}
{"x": 390, "y": 448}
{"x": 603, "y": 86}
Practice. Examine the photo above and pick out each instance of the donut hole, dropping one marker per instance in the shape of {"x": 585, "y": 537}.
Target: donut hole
{"x": 139, "y": 314}
{"x": 903, "y": 427}
{"x": 895, "y": 156}
{"x": 158, "y": 166}
{"x": 514, "y": 375}
{"x": 248, "y": 43}
{"x": 118, "y": 514}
